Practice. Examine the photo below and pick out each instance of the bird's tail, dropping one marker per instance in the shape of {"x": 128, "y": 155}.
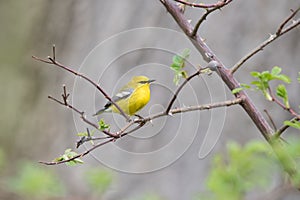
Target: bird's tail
{"x": 100, "y": 111}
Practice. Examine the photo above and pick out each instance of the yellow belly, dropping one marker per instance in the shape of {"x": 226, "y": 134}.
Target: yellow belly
{"x": 136, "y": 101}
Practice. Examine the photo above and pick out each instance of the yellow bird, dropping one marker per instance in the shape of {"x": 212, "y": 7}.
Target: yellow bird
{"x": 131, "y": 98}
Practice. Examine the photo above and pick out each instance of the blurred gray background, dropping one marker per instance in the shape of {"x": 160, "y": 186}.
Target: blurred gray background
{"x": 34, "y": 128}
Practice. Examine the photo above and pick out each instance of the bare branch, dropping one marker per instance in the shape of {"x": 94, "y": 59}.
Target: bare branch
{"x": 272, "y": 38}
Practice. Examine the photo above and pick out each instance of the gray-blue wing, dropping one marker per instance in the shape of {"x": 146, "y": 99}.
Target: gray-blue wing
{"x": 119, "y": 96}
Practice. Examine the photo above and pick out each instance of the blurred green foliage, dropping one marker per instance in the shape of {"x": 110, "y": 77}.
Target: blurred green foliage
{"x": 35, "y": 182}
{"x": 2, "y": 160}
{"x": 244, "y": 168}
{"x": 148, "y": 196}
{"x": 98, "y": 180}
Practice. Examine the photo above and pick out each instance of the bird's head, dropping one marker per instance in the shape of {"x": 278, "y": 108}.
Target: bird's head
{"x": 141, "y": 80}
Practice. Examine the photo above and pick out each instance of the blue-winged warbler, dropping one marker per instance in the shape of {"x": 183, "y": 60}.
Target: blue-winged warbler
{"x": 131, "y": 98}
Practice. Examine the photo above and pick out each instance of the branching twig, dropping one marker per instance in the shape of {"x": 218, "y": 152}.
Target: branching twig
{"x": 179, "y": 89}
{"x": 54, "y": 62}
{"x": 201, "y": 5}
{"x": 143, "y": 121}
{"x": 280, "y": 31}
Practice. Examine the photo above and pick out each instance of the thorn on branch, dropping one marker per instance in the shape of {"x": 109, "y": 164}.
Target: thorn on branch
{"x": 53, "y": 52}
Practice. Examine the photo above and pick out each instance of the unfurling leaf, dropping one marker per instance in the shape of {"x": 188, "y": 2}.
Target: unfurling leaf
{"x": 103, "y": 125}
{"x": 281, "y": 92}
{"x": 69, "y": 154}
{"x": 276, "y": 70}
{"x": 237, "y": 90}
{"x": 293, "y": 123}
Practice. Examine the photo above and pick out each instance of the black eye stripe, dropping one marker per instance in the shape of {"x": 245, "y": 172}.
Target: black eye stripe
{"x": 143, "y": 82}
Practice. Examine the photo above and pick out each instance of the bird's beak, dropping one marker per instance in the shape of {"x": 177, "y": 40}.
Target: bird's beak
{"x": 150, "y": 81}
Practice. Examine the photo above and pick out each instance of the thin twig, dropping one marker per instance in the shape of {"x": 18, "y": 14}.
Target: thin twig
{"x": 79, "y": 155}
{"x": 54, "y": 62}
{"x": 271, "y": 120}
{"x": 81, "y": 113}
{"x": 179, "y": 89}
{"x": 201, "y": 5}
{"x": 272, "y": 38}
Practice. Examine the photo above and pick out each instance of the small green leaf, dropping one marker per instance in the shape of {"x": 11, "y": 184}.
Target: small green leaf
{"x": 176, "y": 78}
{"x": 82, "y": 134}
{"x": 282, "y": 92}
{"x": 178, "y": 64}
{"x": 293, "y": 123}
{"x": 103, "y": 125}
{"x": 255, "y": 74}
{"x": 276, "y": 70}
{"x": 243, "y": 87}
{"x": 266, "y": 76}
{"x": 256, "y": 83}
{"x": 298, "y": 77}
{"x": 68, "y": 155}
{"x": 175, "y": 67}
{"x": 246, "y": 86}
{"x": 283, "y": 78}
{"x": 186, "y": 53}
{"x": 237, "y": 90}
{"x": 178, "y": 60}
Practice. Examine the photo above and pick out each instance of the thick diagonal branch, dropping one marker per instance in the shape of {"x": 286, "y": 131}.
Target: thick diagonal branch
{"x": 286, "y": 161}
